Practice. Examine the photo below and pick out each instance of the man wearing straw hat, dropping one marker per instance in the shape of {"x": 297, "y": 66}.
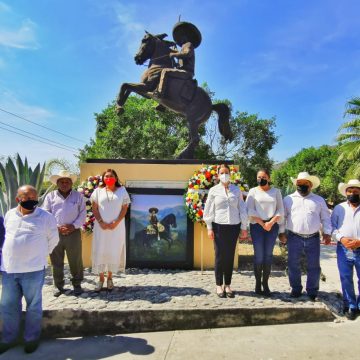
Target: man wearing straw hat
{"x": 69, "y": 208}
{"x": 345, "y": 221}
{"x": 305, "y": 214}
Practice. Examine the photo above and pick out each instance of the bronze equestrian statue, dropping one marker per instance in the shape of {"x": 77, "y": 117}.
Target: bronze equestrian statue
{"x": 172, "y": 85}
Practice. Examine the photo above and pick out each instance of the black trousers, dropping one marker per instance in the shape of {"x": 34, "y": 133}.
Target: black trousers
{"x": 225, "y": 239}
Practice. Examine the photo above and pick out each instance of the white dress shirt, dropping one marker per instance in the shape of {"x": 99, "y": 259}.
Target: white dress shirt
{"x": 70, "y": 210}
{"x": 305, "y": 214}
{"x": 264, "y": 204}
{"x": 28, "y": 240}
{"x": 223, "y": 207}
{"x": 345, "y": 221}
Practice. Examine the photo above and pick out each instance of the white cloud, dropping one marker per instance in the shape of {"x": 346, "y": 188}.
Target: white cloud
{"x": 22, "y": 38}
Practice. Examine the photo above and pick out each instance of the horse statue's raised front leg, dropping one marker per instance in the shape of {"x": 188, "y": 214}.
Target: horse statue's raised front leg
{"x": 125, "y": 90}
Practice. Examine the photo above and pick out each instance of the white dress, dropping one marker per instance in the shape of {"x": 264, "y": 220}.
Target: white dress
{"x": 109, "y": 246}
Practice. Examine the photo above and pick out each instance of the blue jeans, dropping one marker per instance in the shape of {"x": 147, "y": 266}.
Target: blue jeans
{"x": 14, "y": 287}
{"x": 263, "y": 242}
{"x": 347, "y": 260}
{"x": 311, "y": 247}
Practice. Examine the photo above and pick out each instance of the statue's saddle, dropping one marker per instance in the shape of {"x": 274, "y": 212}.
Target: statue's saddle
{"x": 178, "y": 84}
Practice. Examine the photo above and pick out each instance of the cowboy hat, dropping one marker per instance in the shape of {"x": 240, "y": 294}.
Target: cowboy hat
{"x": 63, "y": 174}
{"x": 315, "y": 181}
{"x": 352, "y": 183}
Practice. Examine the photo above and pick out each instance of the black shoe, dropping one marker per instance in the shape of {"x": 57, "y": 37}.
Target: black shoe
{"x": 344, "y": 310}
{"x": 6, "y": 346}
{"x": 312, "y": 297}
{"x": 230, "y": 294}
{"x": 58, "y": 291}
{"x": 221, "y": 295}
{"x": 78, "y": 290}
{"x": 266, "y": 292}
{"x": 31, "y": 346}
{"x": 295, "y": 294}
{"x": 351, "y": 314}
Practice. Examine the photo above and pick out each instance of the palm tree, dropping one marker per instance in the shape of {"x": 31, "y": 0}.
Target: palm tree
{"x": 349, "y": 137}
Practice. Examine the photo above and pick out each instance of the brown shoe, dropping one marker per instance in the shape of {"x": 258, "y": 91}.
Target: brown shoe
{"x": 110, "y": 284}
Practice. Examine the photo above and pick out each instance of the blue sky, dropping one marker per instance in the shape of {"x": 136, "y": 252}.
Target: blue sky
{"x": 62, "y": 61}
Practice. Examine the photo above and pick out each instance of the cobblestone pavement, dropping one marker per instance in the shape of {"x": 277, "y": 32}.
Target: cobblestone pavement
{"x": 178, "y": 289}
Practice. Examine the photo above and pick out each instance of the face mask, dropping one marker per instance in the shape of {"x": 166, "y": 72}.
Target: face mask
{"x": 29, "y": 204}
{"x": 224, "y": 178}
{"x": 110, "y": 181}
{"x": 262, "y": 182}
{"x": 353, "y": 198}
{"x": 303, "y": 189}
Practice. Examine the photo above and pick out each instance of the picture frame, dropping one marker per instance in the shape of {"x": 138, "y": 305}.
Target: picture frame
{"x": 162, "y": 237}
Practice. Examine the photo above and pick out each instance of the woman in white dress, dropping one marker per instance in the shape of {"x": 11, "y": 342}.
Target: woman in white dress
{"x": 110, "y": 203}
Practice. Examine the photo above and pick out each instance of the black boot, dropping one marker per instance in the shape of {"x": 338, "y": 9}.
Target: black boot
{"x": 257, "y": 272}
{"x": 266, "y": 275}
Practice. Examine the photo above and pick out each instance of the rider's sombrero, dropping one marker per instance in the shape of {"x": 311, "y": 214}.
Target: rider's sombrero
{"x": 153, "y": 209}
{"x": 190, "y": 31}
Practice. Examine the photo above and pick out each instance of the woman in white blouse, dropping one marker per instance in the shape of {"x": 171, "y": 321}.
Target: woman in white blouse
{"x": 224, "y": 214}
{"x": 265, "y": 209}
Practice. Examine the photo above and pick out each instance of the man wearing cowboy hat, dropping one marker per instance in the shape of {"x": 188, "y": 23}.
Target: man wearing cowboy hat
{"x": 345, "y": 221}
{"x": 69, "y": 208}
{"x": 305, "y": 214}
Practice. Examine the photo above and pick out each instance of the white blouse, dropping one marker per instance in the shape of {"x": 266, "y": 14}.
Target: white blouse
{"x": 223, "y": 207}
{"x": 264, "y": 204}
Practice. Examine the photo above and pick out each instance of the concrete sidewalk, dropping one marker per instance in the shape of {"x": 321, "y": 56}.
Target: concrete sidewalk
{"x": 316, "y": 341}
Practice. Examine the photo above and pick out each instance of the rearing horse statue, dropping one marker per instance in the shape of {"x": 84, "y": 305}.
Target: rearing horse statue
{"x": 182, "y": 96}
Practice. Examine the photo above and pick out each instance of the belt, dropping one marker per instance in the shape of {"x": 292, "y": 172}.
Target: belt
{"x": 305, "y": 236}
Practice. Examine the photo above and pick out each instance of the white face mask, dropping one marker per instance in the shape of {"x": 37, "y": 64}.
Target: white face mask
{"x": 224, "y": 178}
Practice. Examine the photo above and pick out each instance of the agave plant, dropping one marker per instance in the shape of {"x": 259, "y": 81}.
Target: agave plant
{"x": 17, "y": 174}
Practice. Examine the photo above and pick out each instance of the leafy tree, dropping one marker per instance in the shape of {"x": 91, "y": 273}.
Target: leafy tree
{"x": 253, "y": 139}
{"x": 142, "y": 132}
{"x": 349, "y": 137}
{"x": 317, "y": 161}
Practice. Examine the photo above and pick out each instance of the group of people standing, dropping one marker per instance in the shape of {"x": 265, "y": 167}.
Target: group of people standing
{"x": 32, "y": 233}
{"x": 300, "y": 220}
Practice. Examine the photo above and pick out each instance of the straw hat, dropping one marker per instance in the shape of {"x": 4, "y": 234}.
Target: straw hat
{"x": 63, "y": 174}
{"x": 352, "y": 183}
{"x": 305, "y": 176}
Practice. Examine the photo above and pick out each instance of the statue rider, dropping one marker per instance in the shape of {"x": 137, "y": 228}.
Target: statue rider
{"x": 153, "y": 220}
{"x": 188, "y": 37}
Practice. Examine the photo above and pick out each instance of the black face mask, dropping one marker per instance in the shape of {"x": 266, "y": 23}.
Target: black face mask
{"x": 353, "y": 198}
{"x": 262, "y": 182}
{"x": 303, "y": 189}
{"x": 29, "y": 204}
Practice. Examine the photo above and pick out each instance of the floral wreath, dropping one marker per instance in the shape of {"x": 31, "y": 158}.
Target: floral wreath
{"x": 86, "y": 188}
{"x": 200, "y": 184}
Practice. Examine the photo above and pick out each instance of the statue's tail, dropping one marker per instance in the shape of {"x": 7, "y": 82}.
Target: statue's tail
{"x": 223, "y": 112}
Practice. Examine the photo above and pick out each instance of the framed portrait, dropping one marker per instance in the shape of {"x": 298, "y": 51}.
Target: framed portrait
{"x": 159, "y": 233}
